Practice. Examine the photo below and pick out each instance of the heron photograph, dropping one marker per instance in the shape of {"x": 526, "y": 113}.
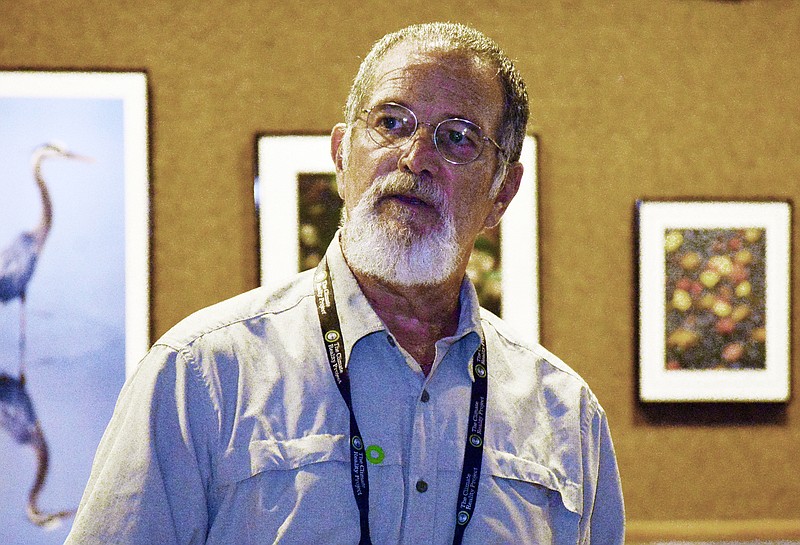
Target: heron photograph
{"x": 62, "y": 303}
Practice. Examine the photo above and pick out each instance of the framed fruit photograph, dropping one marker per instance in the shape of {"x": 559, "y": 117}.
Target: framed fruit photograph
{"x": 299, "y": 210}
{"x": 714, "y": 301}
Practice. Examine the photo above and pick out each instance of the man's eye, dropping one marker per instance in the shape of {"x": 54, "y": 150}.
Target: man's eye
{"x": 455, "y": 137}
{"x": 389, "y": 123}
{"x": 460, "y": 138}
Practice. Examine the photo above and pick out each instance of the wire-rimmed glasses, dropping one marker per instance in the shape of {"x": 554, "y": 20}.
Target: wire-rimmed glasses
{"x": 458, "y": 141}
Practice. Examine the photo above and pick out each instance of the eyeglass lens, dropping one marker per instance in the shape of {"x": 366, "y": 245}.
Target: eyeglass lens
{"x": 457, "y": 140}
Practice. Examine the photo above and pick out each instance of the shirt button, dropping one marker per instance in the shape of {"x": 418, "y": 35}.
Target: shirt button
{"x": 391, "y": 340}
{"x": 425, "y": 397}
{"x": 422, "y": 486}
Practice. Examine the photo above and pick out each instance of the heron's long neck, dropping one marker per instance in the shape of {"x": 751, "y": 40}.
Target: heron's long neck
{"x": 46, "y": 222}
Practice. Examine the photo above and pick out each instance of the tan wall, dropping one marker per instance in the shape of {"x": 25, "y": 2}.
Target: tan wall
{"x": 664, "y": 98}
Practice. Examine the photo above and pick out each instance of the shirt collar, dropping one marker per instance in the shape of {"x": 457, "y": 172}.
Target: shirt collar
{"x": 469, "y": 319}
{"x": 358, "y": 319}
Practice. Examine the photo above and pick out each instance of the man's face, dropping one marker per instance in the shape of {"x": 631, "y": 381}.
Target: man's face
{"x": 435, "y": 86}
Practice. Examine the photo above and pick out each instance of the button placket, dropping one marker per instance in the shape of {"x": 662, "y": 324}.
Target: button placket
{"x": 422, "y": 472}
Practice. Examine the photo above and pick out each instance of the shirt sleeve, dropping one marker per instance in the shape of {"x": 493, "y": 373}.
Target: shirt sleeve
{"x": 148, "y": 480}
{"x": 603, "y": 504}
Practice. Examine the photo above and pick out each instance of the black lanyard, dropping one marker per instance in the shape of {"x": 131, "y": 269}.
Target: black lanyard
{"x": 473, "y": 448}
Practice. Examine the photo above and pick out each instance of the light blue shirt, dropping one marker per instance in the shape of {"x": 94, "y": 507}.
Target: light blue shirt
{"x": 232, "y": 431}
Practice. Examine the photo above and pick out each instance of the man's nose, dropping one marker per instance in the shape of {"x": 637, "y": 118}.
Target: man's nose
{"x": 419, "y": 155}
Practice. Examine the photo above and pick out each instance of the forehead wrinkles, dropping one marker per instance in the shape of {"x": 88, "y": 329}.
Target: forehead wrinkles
{"x": 430, "y": 75}
{"x": 427, "y": 86}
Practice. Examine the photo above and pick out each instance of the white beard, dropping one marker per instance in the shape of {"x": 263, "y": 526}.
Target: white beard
{"x": 391, "y": 249}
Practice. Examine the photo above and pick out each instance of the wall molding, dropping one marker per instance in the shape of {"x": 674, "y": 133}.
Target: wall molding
{"x": 643, "y": 531}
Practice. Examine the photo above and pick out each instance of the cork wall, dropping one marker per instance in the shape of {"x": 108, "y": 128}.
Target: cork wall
{"x": 662, "y": 99}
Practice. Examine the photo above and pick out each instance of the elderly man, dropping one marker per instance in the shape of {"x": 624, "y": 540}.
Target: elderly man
{"x": 371, "y": 400}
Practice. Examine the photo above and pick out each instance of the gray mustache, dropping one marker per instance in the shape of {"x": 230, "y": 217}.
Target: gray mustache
{"x": 410, "y": 184}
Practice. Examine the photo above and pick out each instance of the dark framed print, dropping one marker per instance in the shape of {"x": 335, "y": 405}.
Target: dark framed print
{"x": 74, "y": 281}
{"x": 299, "y": 210}
{"x": 714, "y": 301}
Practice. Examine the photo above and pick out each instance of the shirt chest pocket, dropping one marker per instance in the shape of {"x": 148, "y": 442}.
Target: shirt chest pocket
{"x": 265, "y": 483}
{"x": 290, "y": 455}
{"x": 530, "y": 486}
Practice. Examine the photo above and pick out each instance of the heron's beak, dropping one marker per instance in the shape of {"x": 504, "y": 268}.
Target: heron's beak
{"x": 78, "y": 157}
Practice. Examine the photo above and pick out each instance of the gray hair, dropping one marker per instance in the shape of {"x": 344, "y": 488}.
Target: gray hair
{"x": 459, "y": 38}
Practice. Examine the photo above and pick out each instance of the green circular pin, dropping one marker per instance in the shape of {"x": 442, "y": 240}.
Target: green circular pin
{"x": 375, "y": 454}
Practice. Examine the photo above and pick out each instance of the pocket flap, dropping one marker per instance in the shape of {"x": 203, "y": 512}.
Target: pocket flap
{"x": 262, "y": 455}
{"x": 508, "y": 466}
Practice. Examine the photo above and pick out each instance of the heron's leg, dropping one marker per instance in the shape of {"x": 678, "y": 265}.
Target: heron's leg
{"x": 39, "y": 518}
{"x": 22, "y": 338}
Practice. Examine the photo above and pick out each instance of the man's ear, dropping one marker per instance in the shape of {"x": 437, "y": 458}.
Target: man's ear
{"x": 505, "y": 195}
{"x": 337, "y": 151}
{"x": 337, "y": 137}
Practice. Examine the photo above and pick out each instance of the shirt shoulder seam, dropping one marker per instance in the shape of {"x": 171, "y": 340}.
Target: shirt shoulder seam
{"x": 189, "y": 340}
{"x": 543, "y": 355}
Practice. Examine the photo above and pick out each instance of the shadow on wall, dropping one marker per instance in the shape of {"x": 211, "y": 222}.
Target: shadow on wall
{"x": 712, "y": 414}
{"x": 757, "y": 542}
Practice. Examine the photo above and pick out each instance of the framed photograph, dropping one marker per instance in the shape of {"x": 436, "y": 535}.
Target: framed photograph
{"x": 299, "y": 210}
{"x": 714, "y": 301}
{"x": 74, "y": 281}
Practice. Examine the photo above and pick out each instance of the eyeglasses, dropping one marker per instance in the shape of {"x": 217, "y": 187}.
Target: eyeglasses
{"x": 458, "y": 141}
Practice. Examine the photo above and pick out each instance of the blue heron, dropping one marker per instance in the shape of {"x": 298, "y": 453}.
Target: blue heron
{"x": 17, "y": 264}
{"x": 18, "y": 261}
